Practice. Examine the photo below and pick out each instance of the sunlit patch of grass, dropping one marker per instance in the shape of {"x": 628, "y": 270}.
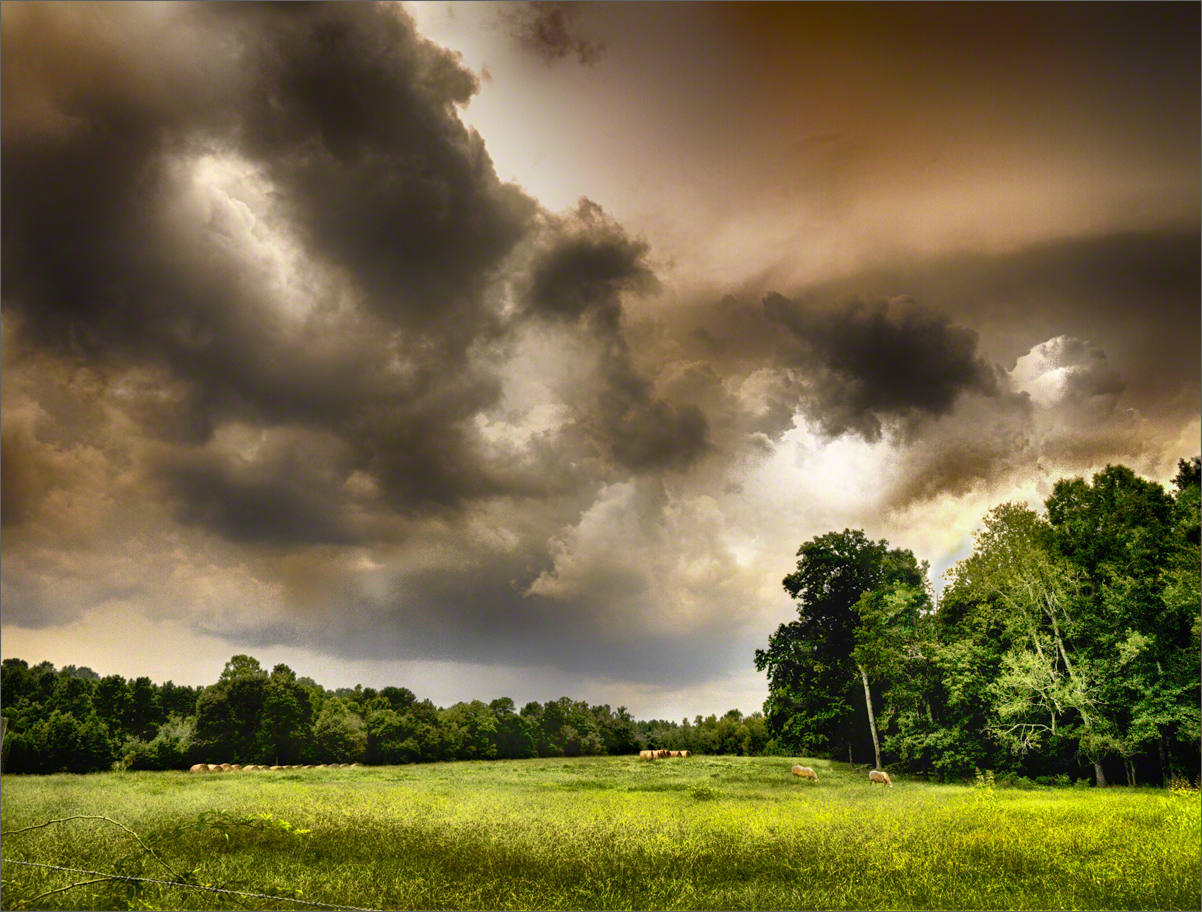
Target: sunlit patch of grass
{"x": 616, "y": 833}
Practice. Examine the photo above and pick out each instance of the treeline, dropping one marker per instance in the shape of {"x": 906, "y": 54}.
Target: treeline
{"x": 1066, "y": 645}
{"x": 72, "y": 720}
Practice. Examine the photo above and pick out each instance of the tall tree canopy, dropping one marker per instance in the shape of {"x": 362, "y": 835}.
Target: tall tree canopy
{"x": 818, "y": 664}
{"x": 1068, "y": 641}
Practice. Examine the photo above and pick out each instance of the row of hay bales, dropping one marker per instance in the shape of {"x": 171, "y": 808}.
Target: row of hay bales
{"x": 662, "y": 754}
{"x": 239, "y": 768}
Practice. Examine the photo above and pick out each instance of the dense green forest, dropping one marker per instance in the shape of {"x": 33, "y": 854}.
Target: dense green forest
{"x": 1066, "y": 645}
{"x": 73, "y": 720}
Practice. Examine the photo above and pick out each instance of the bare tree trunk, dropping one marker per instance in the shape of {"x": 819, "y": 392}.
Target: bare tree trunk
{"x": 876, "y": 744}
{"x": 1098, "y": 774}
{"x": 849, "y": 761}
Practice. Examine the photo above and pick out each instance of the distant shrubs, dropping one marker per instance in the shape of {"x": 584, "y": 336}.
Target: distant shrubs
{"x": 1060, "y": 781}
{"x": 1011, "y": 780}
{"x": 172, "y": 748}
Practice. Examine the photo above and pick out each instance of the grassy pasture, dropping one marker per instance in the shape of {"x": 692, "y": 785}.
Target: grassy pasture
{"x": 605, "y": 832}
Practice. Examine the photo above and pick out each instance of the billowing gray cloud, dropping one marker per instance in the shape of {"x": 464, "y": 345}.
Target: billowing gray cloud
{"x": 865, "y": 362}
{"x": 1133, "y": 294}
{"x": 294, "y": 287}
{"x": 580, "y": 277}
{"x": 587, "y": 268}
{"x": 286, "y": 219}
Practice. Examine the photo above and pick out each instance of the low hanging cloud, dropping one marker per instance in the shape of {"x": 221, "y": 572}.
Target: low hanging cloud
{"x": 865, "y": 363}
{"x": 1057, "y": 408}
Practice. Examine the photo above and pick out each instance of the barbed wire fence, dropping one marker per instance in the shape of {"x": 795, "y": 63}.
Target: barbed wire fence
{"x": 178, "y": 881}
{"x": 103, "y": 877}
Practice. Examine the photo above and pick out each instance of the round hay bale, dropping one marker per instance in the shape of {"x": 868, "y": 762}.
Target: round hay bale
{"x": 215, "y": 768}
{"x": 356, "y": 764}
{"x": 673, "y": 753}
{"x": 199, "y": 768}
{"x": 685, "y": 754}
{"x": 237, "y": 767}
{"x": 275, "y": 767}
{"x": 226, "y": 767}
{"x": 307, "y": 766}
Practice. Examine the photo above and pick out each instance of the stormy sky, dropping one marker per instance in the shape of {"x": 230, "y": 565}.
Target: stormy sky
{"x": 514, "y": 349}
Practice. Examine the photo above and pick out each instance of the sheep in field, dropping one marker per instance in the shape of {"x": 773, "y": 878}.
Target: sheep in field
{"x": 879, "y": 776}
{"x": 805, "y": 772}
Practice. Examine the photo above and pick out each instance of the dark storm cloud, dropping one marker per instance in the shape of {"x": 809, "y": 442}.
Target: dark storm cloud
{"x": 346, "y": 119}
{"x": 548, "y": 28}
{"x": 278, "y": 499}
{"x": 350, "y": 116}
{"x": 1133, "y": 294}
{"x": 585, "y": 273}
{"x": 1106, "y": 393}
{"x": 580, "y": 277}
{"x": 866, "y": 362}
{"x": 23, "y": 482}
{"x": 354, "y": 117}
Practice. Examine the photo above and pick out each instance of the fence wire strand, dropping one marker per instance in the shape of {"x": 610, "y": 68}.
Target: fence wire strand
{"x": 168, "y": 883}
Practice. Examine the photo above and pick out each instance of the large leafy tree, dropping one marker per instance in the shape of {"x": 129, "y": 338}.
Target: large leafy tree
{"x": 339, "y": 735}
{"x": 514, "y": 736}
{"x": 1047, "y": 687}
{"x": 1124, "y": 535}
{"x": 893, "y": 645}
{"x": 229, "y": 713}
{"x": 287, "y": 717}
{"x": 815, "y": 664}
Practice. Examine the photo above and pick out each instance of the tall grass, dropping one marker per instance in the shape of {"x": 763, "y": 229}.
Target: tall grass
{"x": 609, "y": 833}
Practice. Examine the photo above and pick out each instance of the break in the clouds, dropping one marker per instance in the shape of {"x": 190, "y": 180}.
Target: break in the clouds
{"x": 288, "y": 366}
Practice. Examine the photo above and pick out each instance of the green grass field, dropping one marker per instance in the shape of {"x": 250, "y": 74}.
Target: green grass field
{"x": 607, "y": 832}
